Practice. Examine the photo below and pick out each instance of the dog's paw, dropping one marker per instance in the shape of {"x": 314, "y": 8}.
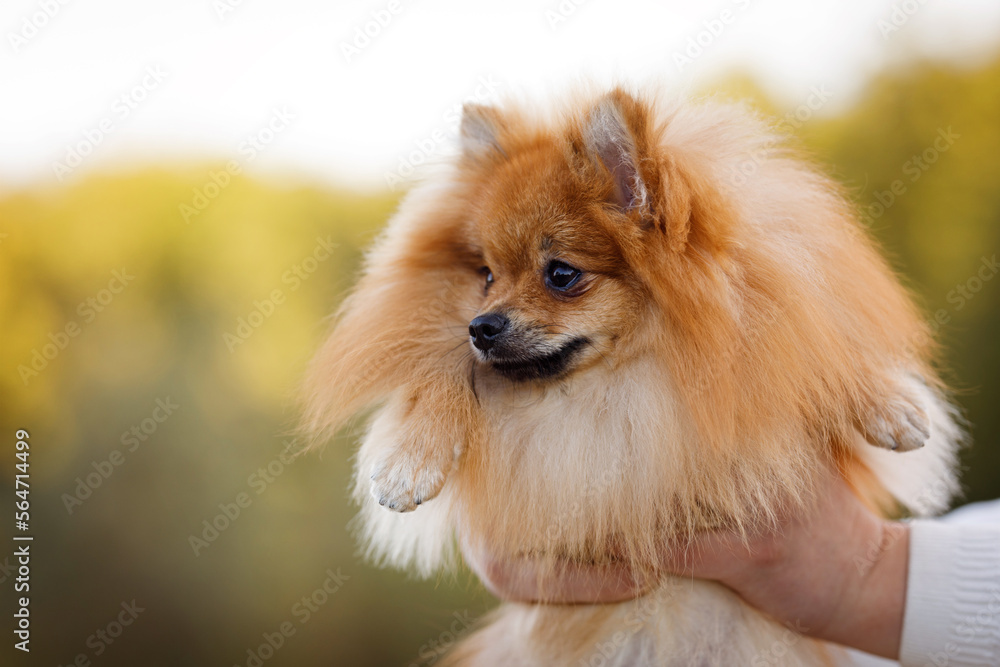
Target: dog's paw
{"x": 405, "y": 477}
{"x": 901, "y": 426}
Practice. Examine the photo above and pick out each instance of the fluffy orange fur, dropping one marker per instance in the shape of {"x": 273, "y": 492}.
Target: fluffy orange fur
{"x": 740, "y": 332}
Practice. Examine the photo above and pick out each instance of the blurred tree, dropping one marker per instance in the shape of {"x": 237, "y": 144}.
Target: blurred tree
{"x": 921, "y": 154}
{"x": 122, "y": 290}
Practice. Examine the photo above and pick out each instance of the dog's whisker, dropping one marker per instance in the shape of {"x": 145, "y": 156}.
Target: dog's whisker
{"x": 452, "y": 350}
{"x": 598, "y": 351}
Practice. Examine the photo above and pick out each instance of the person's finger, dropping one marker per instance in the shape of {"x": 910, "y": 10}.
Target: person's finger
{"x": 565, "y": 582}
{"x": 721, "y": 554}
{"x": 524, "y": 580}
{"x": 588, "y": 583}
{"x": 712, "y": 555}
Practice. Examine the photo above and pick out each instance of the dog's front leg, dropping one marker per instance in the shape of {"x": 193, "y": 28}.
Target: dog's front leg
{"x": 412, "y": 465}
{"x": 899, "y": 420}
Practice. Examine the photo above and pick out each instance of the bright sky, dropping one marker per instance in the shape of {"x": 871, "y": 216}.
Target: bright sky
{"x": 290, "y": 86}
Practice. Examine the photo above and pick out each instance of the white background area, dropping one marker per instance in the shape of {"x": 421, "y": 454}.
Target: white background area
{"x": 227, "y": 65}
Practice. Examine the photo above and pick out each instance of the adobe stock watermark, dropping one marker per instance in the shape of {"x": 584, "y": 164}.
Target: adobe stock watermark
{"x": 930, "y": 498}
{"x": 560, "y": 13}
{"x": 432, "y": 311}
{"x": 577, "y": 510}
{"x": 430, "y": 651}
{"x": 294, "y": 277}
{"x": 123, "y": 106}
{"x": 443, "y": 135}
{"x": 32, "y": 24}
{"x": 759, "y": 329}
{"x": 7, "y": 569}
{"x": 892, "y": 533}
{"x": 256, "y": 142}
{"x": 258, "y": 482}
{"x": 643, "y": 609}
{"x": 959, "y": 296}
{"x": 711, "y": 30}
{"x": 104, "y": 637}
{"x": 899, "y": 16}
{"x": 912, "y": 170}
{"x": 774, "y": 654}
{"x": 965, "y": 291}
{"x": 792, "y": 120}
{"x": 131, "y": 440}
{"x": 365, "y": 33}
{"x": 982, "y": 621}
{"x": 223, "y": 8}
{"x": 302, "y": 611}
{"x": 88, "y": 310}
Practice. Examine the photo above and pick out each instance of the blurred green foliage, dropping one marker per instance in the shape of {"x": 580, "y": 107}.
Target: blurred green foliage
{"x": 167, "y": 332}
{"x": 942, "y": 231}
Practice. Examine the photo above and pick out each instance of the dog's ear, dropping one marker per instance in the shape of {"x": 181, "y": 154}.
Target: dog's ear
{"x": 614, "y": 134}
{"x": 480, "y": 132}
{"x": 648, "y": 185}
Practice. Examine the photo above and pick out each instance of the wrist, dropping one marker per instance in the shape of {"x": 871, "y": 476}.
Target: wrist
{"x": 869, "y": 612}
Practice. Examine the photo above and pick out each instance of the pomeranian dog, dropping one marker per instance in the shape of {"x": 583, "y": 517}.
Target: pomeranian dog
{"x": 621, "y": 322}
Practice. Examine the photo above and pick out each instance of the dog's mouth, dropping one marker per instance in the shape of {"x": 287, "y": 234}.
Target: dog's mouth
{"x": 521, "y": 367}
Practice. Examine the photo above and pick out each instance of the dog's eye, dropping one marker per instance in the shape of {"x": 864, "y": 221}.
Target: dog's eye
{"x": 488, "y": 274}
{"x": 561, "y": 276}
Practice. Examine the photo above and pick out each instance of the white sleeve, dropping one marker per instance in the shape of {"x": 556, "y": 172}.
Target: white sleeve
{"x": 952, "y": 615}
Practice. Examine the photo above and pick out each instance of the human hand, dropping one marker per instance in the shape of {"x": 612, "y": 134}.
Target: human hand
{"x": 835, "y": 570}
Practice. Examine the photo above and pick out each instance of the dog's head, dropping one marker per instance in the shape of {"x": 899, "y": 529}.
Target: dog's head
{"x": 572, "y": 229}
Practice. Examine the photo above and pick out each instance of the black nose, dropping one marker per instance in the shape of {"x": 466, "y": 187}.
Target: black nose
{"x": 485, "y": 329}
